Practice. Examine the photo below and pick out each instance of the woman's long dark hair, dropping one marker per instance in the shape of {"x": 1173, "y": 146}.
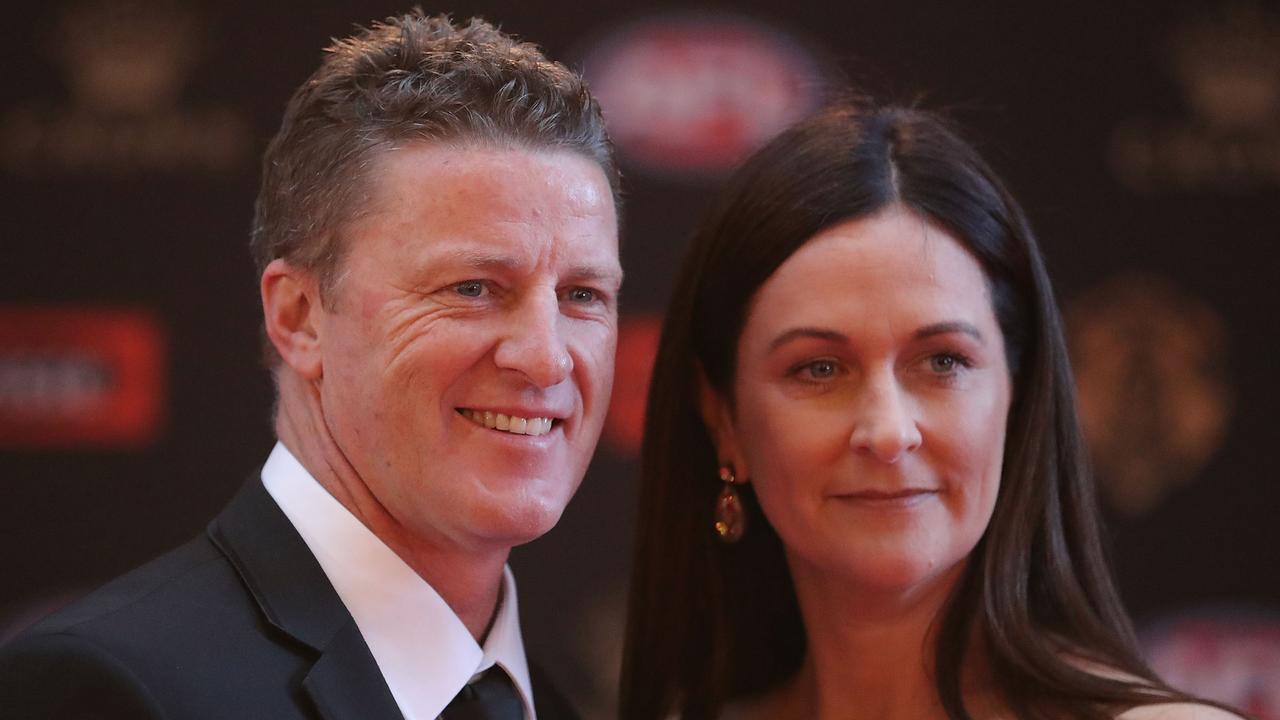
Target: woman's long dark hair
{"x": 709, "y": 623}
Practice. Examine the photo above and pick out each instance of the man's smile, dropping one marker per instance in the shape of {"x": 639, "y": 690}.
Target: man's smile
{"x": 508, "y": 423}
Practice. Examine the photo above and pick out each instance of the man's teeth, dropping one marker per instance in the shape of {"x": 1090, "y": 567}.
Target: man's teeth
{"x": 509, "y": 423}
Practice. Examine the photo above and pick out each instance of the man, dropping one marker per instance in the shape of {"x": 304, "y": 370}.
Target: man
{"x": 437, "y": 239}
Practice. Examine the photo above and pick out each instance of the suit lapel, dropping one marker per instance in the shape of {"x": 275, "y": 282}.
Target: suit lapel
{"x": 295, "y": 596}
{"x": 550, "y": 704}
{"x": 346, "y": 683}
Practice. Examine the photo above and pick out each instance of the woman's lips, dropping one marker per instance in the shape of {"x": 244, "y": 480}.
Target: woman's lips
{"x": 905, "y": 497}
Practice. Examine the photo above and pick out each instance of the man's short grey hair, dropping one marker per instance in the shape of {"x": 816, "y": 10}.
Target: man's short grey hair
{"x": 407, "y": 78}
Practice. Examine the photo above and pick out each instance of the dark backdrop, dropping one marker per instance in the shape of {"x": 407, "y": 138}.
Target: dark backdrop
{"x": 1144, "y": 142}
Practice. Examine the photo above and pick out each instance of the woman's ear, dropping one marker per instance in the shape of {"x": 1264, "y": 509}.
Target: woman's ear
{"x": 290, "y": 300}
{"x": 717, "y": 415}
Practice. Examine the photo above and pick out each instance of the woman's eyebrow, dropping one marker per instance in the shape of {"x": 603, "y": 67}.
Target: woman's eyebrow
{"x": 807, "y": 332}
{"x": 953, "y": 326}
{"x": 928, "y": 331}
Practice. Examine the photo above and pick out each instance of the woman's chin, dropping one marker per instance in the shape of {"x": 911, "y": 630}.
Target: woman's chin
{"x": 903, "y": 576}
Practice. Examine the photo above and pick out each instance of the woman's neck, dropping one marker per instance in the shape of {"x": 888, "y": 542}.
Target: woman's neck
{"x": 870, "y": 653}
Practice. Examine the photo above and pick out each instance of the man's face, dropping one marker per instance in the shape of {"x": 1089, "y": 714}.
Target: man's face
{"x": 468, "y": 347}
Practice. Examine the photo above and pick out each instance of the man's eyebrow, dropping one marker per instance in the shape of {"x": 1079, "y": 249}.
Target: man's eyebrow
{"x": 499, "y": 261}
{"x": 807, "y": 332}
{"x": 596, "y": 273}
{"x": 953, "y": 326}
{"x": 477, "y": 259}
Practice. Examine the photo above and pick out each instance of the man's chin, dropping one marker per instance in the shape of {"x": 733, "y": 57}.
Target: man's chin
{"x": 516, "y": 523}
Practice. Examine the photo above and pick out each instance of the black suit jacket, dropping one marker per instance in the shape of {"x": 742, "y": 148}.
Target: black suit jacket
{"x": 238, "y": 623}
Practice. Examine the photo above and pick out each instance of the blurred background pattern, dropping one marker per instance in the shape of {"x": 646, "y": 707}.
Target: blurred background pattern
{"x": 1143, "y": 140}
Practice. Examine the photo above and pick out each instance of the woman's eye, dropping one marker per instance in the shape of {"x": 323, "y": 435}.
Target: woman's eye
{"x": 820, "y": 370}
{"x": 945, "y": 363}
{"x": 470, "y": 288}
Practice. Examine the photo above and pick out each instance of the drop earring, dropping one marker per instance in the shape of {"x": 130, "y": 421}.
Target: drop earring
{"x": 731, "y": 519}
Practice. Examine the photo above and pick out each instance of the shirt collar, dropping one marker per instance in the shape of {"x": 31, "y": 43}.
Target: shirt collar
{"x": 423, "y": 650}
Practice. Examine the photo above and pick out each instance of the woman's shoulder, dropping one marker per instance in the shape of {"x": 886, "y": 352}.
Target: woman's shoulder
{"x": 1177, "y": 711}
{"x": 1172, "y": 710}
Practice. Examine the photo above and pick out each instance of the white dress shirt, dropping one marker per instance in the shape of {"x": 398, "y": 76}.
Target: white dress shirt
{"x": 423, "y": 650}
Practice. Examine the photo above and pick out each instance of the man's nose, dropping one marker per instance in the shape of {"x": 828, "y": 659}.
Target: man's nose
{"x": 534, "y": 343}
{"x": 885, "y": 426}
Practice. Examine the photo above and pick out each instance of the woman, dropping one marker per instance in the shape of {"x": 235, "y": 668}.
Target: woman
{"x": 862, "y": 384}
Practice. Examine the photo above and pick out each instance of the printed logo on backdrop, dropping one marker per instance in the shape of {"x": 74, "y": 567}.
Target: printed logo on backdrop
{"x": 1226, "y": 66}
{"x": 1150, "y": 364}
{"x": 637, "y": 347}
{"x": 124, "y": 63}
{"x": 694, "y": 94}
{"x": 80, "y": 377}
{"x": 1228, "y": 655}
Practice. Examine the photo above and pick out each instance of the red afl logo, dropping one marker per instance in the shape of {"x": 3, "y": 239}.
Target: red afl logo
{"x": 637, "y": 345}
{"x": 695, "y": 94}
{"x": 80, "y": 377}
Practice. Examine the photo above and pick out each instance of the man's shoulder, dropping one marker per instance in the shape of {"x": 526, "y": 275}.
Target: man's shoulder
{"x": 187, "y": 599}
{"x": 58, "y": 674}
{"x": 180, "y": 633}
{"x": 171, "y": 582}
{"x": 108, "y": 652}
{"x": 199, "y": 591}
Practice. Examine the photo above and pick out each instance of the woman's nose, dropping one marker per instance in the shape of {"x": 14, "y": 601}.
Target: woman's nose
{"x": 885, "y": 426}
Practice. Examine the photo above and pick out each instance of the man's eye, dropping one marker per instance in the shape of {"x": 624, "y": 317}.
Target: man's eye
{"x": 470, "y": 288}
{"x": 582, "y": 295}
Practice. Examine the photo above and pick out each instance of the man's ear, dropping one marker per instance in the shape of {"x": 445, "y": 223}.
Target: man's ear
{"x": 290, "y": 303}
{"x": 717, "y": 415}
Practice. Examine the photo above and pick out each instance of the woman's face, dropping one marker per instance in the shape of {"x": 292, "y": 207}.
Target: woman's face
{"x": 872, "y": 394}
